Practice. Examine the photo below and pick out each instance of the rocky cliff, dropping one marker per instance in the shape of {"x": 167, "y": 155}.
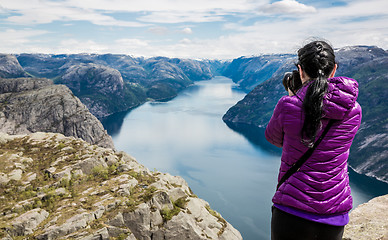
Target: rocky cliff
{"x": 36, "y": 105}
{"x": 10, "y": 67}
{"x": 369, "y": 221}
{"x": 57, "y": 187}
{"x": 369, "y": 66}
{"x": 101, "y": 88}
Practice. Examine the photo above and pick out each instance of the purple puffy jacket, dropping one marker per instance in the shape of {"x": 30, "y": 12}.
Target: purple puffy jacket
{"x": 321, "y": 186}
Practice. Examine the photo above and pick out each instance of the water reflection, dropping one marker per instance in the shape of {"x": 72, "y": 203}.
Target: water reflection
{"x": 114, "y": 122}
{"x": 187, "y": 137}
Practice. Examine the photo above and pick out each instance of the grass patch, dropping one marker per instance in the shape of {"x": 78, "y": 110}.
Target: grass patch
{"x": 219, "y": 219}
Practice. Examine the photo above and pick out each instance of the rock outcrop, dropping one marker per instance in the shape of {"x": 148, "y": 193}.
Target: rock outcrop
{"x": 369, "y": 221}
{"x": 10, "y": 67}
{"x": 66, "y": 188}
{"x": 36, "y": 105}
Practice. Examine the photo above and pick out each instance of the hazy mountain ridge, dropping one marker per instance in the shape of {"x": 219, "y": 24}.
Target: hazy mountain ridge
{"x": 248, "y": 72}
{"x": 157, "y": 78}
{"x": 369, "y": 66}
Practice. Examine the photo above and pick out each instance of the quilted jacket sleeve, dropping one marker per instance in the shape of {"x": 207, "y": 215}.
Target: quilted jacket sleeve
{"x": 274, "y": 132}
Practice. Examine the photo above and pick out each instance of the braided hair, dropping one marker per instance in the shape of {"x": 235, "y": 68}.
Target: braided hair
{"x": 317, "y": 60}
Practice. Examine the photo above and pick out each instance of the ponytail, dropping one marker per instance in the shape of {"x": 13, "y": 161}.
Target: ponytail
{"x": 312, "y": 107}
{"x": 317, "y": 60}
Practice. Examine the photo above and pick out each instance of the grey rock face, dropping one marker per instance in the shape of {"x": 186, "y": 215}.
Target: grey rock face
{"x": 100, "y": 88}
{"x": 15, "y": 85}
{"x": 51, "y": 108}
{"x": 28, "y": 222}
{"x": 89, "y": 203}
{"x": 369, "y": 221}
{"x": 10, "y": 67}
{"x": 90, "y": 78}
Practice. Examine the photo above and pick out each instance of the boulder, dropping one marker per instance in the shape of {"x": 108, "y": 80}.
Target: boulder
{"x": 369, "y": 221}
{"x": 26, "y": 223}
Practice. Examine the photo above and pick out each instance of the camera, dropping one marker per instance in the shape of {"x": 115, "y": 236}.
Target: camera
{"x": 292, "y": 81}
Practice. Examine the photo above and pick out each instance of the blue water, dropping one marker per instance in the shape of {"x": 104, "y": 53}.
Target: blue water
{"x": 187, "y": 137}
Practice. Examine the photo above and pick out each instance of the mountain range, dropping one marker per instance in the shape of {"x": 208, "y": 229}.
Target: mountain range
{"x": 112, "y": 83}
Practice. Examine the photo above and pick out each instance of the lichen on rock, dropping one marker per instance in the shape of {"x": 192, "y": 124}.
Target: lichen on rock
{"x": 82, "y": 191}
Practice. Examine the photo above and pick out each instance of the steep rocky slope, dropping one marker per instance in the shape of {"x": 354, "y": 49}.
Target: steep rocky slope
{"x": 57, "y": 187}
{"x": 36, "y": 105}
{"x": 369, "y": 66}
{"x": 369, "y": 221}
{"x": 10, "y": 67}
{"x": 101, "y": 89}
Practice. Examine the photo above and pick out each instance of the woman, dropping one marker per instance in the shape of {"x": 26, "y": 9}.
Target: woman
{"x": 314, "y": 202}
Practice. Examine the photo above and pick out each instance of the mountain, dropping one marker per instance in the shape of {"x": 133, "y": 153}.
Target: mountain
{"x": 130, "y": 81}
{"x": 369, "y": 66}
{"x": 30, "y": 105}
{"x": 56, "y": 187}
{"x": 10, "y": 67}
{"x": 101, "y": 88}
{"x": 248, "y": 72}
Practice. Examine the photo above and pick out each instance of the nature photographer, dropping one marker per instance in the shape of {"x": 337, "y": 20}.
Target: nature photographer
{"x": 315, "y": 125}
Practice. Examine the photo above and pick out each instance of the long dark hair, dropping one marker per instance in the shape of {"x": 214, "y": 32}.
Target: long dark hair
{"x": 317, "y": 60}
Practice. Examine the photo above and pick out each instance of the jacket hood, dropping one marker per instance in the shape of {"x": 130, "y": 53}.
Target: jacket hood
{"x": 341, "y": 96}
{"x": 342, "y": 93}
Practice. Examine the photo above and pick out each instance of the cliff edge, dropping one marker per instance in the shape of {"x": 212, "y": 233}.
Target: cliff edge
{"x": 369, "y": 221}
{"x": 57, "y": 187}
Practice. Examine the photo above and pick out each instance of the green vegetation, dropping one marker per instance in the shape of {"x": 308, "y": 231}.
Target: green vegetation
{"x": 178, "y": 205}
{"x": 219, "y": 218}
{"x": 51, "y": 193}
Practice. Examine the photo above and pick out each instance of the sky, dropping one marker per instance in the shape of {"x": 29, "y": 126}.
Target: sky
{"x": 212, "y": 29}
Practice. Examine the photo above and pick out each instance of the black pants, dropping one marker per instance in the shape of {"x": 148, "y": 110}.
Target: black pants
{"x": 285, "y": 226}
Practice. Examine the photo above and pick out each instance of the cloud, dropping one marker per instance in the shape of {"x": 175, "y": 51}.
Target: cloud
{"x": 44, "y": 11}
{"x": 76, "y": 46}
{"x": 100, "y": 11}
{"x": 19, "y": 40}
{"x": 132, "y": 42}
{"x": 237, "y": 27}
{"x": 180, "y": 17}
{"x": 158, "y": 30}
{"x": 167, "y": 5}
{"x": 187, "y": 30}
{"x": 288, "y": 7}
{"x": 185, "y": 41}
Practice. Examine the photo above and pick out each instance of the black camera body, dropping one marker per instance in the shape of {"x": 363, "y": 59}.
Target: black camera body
{"x": 292, "y": 81}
